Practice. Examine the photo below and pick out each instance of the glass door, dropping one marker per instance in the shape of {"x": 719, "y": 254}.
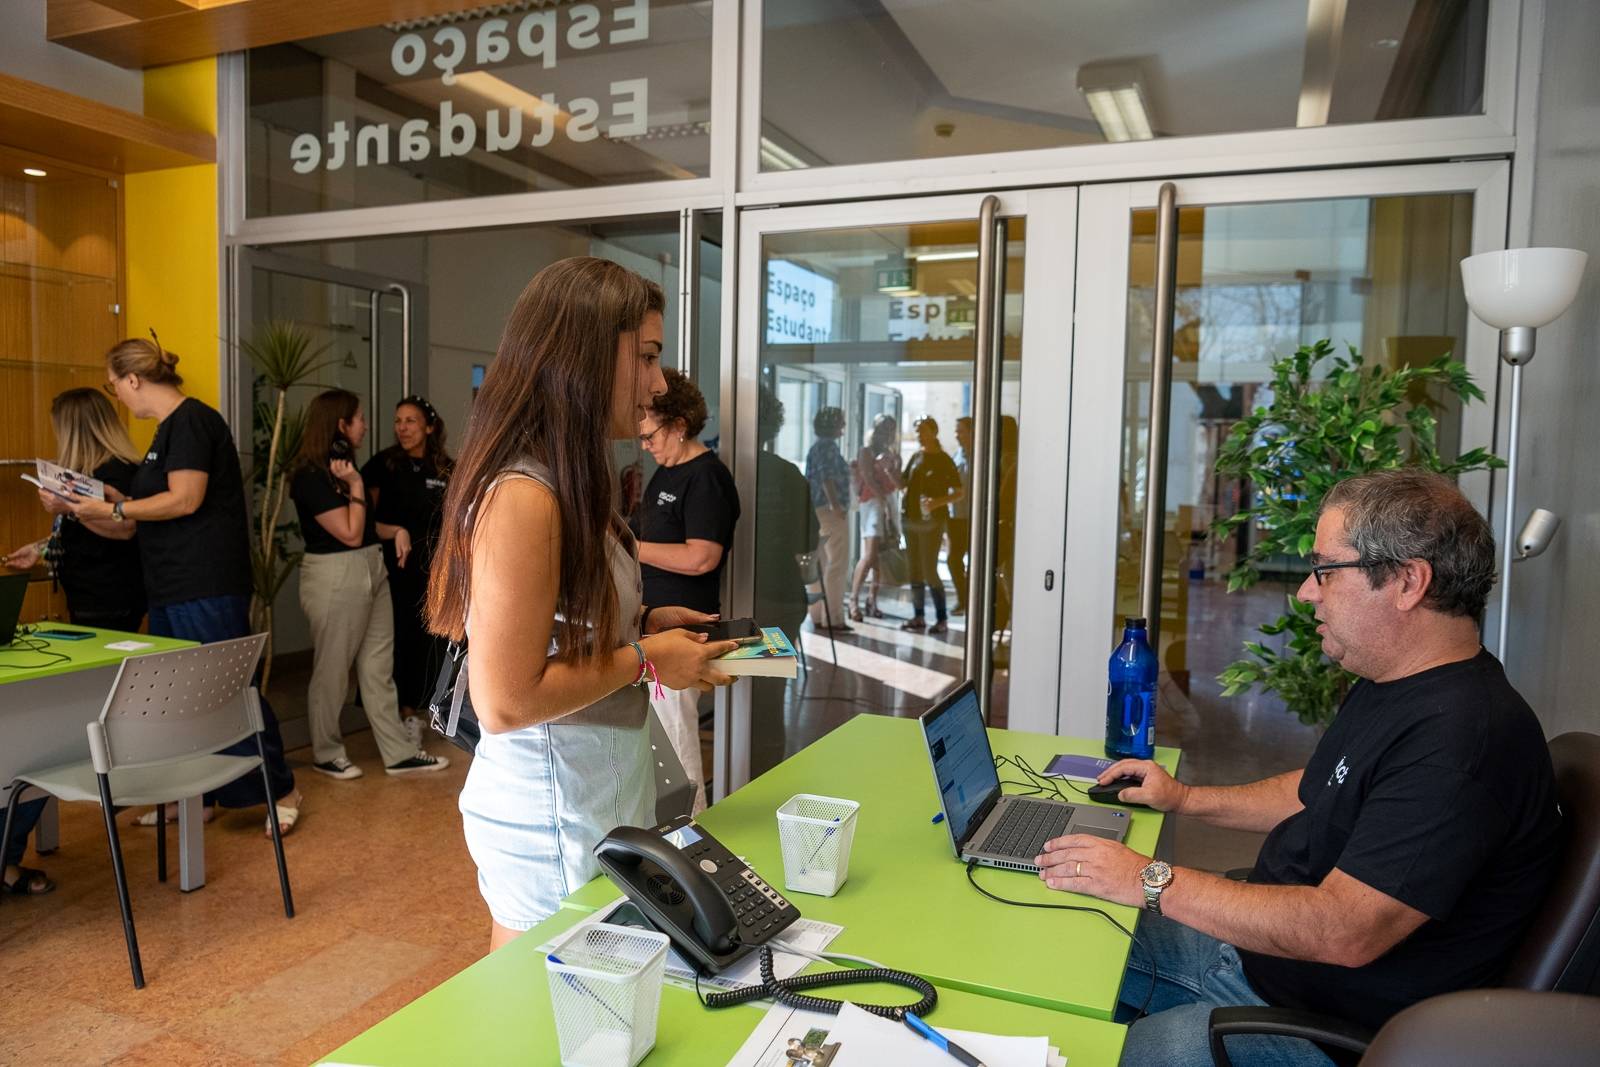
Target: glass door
{"x": 1263, "y": 265}
{"x": 881, "y": 361}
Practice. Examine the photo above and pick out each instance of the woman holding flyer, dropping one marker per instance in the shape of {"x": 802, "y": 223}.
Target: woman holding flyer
{"x": 96, "y": 561}
{"x": 189, "y": 492}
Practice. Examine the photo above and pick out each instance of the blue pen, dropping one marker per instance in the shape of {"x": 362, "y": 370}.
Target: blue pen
{"x": 922, "y": 1029}
{"x": 937, "y": 819}
{"x": 825, "y": 835}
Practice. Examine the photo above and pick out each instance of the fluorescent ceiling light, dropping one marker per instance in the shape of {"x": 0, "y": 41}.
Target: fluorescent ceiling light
{"x": 34, "y": 172}
{"x": 776, "y": 157}
{"x": 939, "y": 257}
{"x": 1115, "y": 95}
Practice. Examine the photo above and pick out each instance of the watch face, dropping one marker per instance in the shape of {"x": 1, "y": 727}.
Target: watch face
{"x": 1157, "y": 874}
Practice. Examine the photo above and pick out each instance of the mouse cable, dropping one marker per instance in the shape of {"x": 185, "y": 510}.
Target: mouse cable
{"x": 1144, "y": 1009}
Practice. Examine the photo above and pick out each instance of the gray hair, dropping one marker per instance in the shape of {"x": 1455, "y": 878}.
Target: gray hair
{"x": 1397, "y": 515}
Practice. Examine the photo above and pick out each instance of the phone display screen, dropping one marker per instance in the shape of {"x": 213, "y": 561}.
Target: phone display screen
{"x": 683, "y": 836}
{"x": 741, "y": 630}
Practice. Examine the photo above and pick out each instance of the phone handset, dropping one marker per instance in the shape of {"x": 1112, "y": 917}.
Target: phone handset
{"x": 713, "y": 918}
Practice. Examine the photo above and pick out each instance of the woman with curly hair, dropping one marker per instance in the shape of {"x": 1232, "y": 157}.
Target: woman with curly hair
{"x": 685, "y": 527}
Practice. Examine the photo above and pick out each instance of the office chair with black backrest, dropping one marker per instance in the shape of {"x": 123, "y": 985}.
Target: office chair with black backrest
{"x": 1490, "y": 1028}
{"x": 1559, "y": 953}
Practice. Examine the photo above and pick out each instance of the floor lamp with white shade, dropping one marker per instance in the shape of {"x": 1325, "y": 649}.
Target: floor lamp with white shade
{"x": 1517, "y": 291}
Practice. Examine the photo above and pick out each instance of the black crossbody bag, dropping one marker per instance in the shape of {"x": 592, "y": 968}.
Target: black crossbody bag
{"x": 450, "y": 711}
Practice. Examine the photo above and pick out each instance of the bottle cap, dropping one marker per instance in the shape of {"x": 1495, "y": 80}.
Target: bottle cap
{"x": 1134, "y": 622}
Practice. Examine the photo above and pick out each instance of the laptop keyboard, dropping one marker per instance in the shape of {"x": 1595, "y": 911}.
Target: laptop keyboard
{"x": 1025, "y": 827}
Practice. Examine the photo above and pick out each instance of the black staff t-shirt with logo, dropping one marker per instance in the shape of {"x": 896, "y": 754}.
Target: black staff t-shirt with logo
{"x": 206, "y": 553}
{"x": 1436, "y": 790}
{"x": 693, "y": 501}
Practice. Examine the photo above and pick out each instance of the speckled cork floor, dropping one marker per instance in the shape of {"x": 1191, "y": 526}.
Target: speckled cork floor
{"x": 386, "y": 908}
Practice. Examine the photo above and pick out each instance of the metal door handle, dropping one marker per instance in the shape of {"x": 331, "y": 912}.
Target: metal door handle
{"x": 985, "y": 453}
{"x": 1155, "y": 497}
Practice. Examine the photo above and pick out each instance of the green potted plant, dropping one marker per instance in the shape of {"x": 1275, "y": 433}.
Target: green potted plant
{"x": 284, "y": 359}
{"x": 1319, "y": 428}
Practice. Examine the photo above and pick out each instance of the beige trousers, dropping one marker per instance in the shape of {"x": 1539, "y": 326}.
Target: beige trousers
{"x": 833, "y": 553}
{"x": 345, "y": 595}
{"x": 679, "y": 712}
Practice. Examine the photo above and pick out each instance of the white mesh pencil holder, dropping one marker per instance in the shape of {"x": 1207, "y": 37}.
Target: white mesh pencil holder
{"x": 815, "y": 833}
{"x": 605, "y": 987}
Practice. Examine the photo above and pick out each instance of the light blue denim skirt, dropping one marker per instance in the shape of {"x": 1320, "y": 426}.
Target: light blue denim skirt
{"x": 536, "y": 803}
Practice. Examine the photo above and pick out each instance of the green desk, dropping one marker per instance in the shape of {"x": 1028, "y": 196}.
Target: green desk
{"x": 45, "y": 706}
{"x": 498, "y": 1012}
{"x": 907, "y": 903}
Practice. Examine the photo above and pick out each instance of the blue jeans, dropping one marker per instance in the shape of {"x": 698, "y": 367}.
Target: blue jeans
{"x": 1195, "y": 973}
{"x": 223, "y": 618}
{"x": 22, "y": 824}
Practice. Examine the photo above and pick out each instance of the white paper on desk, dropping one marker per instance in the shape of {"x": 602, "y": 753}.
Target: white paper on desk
{"x": 768, "y": 1043}
{"x": 866, "y": 1040}
{"x": 130, "y": 646}
{"x": 809, "y": 934}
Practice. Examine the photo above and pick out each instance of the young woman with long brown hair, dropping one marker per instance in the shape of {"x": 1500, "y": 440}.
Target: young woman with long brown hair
{"x": 344, "y": 591}
{"x": 535, "y": 562}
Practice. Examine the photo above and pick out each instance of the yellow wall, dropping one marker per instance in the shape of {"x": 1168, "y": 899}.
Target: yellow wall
{"x": 171, "y": 247}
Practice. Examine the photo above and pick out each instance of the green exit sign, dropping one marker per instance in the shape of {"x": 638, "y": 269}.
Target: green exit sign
{"x": 894, "y": 279}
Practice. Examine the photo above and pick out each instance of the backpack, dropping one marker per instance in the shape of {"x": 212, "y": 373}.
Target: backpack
{"x": 450, "y": 710}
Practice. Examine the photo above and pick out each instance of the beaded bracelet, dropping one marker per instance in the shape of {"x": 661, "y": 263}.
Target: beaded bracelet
{"x": 647, "y": 670}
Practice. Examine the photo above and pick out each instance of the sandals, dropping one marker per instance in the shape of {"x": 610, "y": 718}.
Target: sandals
{"x": 148, "y": 819}
{"x": 288, "y": 815}
{"x": 30, "y": 882}
{"x": 856, "y": 616}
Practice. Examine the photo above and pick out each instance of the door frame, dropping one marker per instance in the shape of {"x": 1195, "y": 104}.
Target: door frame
{"x": 1048, "y": 284}
{"x": 1103, "y": 253}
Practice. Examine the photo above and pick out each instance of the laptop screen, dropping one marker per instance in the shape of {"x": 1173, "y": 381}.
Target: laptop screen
{"x": 963, "y": 763}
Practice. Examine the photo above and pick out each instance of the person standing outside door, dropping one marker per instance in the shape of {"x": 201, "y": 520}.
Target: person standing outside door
{"x": 932, "y": 485}
{"x": 960, "y": 530}
{"x": 829, "y": 476}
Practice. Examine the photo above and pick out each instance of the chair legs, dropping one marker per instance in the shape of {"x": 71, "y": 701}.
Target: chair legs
{"x": 115, "y": 843}
{"x": 827, "y": 616}
{"x": 277, "y": 831}
{"x": 17, "y": 786}
{"x": 161, "y": 842}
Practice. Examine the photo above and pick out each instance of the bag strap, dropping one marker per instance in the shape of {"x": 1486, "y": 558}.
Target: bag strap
{"x": 453, "y": 683}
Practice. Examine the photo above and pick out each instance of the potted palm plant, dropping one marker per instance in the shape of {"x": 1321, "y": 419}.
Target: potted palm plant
{"x": 1329, "y": 417}
{"x": 284, "y": 359}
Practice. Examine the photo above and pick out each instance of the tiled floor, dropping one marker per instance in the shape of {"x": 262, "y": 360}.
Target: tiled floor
{"x": 385, "y": 891}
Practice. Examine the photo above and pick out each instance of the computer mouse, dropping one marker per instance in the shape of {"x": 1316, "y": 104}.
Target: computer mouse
{"x": 1107, "y": 794}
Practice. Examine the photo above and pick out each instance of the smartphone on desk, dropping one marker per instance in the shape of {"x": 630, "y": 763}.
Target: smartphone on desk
{"x": 63, "y": 635}
{"x": 744, "y": 631}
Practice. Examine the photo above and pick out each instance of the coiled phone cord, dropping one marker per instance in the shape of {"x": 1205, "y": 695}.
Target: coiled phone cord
{"x": 788, "y": 990}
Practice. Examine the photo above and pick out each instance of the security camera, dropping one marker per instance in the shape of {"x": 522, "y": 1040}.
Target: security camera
{"x": 1537, "y": 533}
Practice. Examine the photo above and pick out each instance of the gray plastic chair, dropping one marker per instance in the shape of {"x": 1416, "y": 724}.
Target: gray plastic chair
{"x": 155, "y": 743}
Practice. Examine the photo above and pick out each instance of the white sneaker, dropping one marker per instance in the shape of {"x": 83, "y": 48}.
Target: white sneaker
{"x": 413, "y": 725}
{"x": 340, "y": 768}
{"x": 421, "y": 763}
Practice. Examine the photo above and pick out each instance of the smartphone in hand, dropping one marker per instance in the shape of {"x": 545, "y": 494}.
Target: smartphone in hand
{"x": 744, "y": 631}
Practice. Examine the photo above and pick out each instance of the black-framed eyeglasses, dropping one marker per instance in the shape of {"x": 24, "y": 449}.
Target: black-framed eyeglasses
{"x": 646, "y": 438}
{"x": 1320, "y": 569}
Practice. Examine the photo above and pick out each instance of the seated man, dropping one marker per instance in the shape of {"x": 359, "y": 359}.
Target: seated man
{"x": 1409, "y": 855}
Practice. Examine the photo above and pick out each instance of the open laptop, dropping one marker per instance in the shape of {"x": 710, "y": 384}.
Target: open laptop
{"x": 13, "y": 587}
{"x": 995, "y": 830}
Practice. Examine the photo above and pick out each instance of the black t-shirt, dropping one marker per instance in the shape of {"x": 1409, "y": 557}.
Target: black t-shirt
{"x": 786, "y": 525}
{"x": 314, "y": 490}
{"x": 207, "y": 553}
{"x": 102, "y": 574}
{"x": 410, "y": 494}
{"x": 691, "y": 501}
{"x": 932, "y": 474}
{"x": 1436, "y": 790}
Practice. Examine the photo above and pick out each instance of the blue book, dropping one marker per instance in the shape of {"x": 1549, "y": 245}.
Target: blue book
{"x": 773, "y": 657}
{"x": 1077, "y": 768}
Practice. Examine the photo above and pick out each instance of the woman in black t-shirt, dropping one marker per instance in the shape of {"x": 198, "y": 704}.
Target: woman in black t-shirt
{"x": 96, "y": 561}
{"x": 685, "y": 527}
{"x": 405, "y": 489}
{"x": 932, "y": 485}
{"x": 344, "y": 590}
{"x": 188, "y": 499}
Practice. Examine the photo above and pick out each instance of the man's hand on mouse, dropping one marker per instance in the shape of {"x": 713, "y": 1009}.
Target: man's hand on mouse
{"x": 1157, "y": 789}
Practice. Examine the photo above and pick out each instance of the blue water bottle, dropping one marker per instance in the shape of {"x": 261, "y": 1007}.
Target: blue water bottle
{"x": 1131, "y": 695}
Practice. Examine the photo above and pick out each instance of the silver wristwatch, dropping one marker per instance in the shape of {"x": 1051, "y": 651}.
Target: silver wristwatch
{"x": 1154, "y": 879}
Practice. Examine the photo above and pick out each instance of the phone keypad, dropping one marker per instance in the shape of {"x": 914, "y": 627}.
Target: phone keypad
{"x": 756, "y": 905}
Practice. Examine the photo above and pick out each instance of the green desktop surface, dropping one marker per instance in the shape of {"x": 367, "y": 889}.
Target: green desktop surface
{"x": 37, "y": 657}
{"x": 498, "y": 1012}
{"x": 907, "y": 903}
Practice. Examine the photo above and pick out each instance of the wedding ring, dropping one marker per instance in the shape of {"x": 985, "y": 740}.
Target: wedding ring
{"x": 1080, "y": 869}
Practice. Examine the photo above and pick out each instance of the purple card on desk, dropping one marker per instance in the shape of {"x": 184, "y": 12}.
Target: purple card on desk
{"x": 1077, "y": 768}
